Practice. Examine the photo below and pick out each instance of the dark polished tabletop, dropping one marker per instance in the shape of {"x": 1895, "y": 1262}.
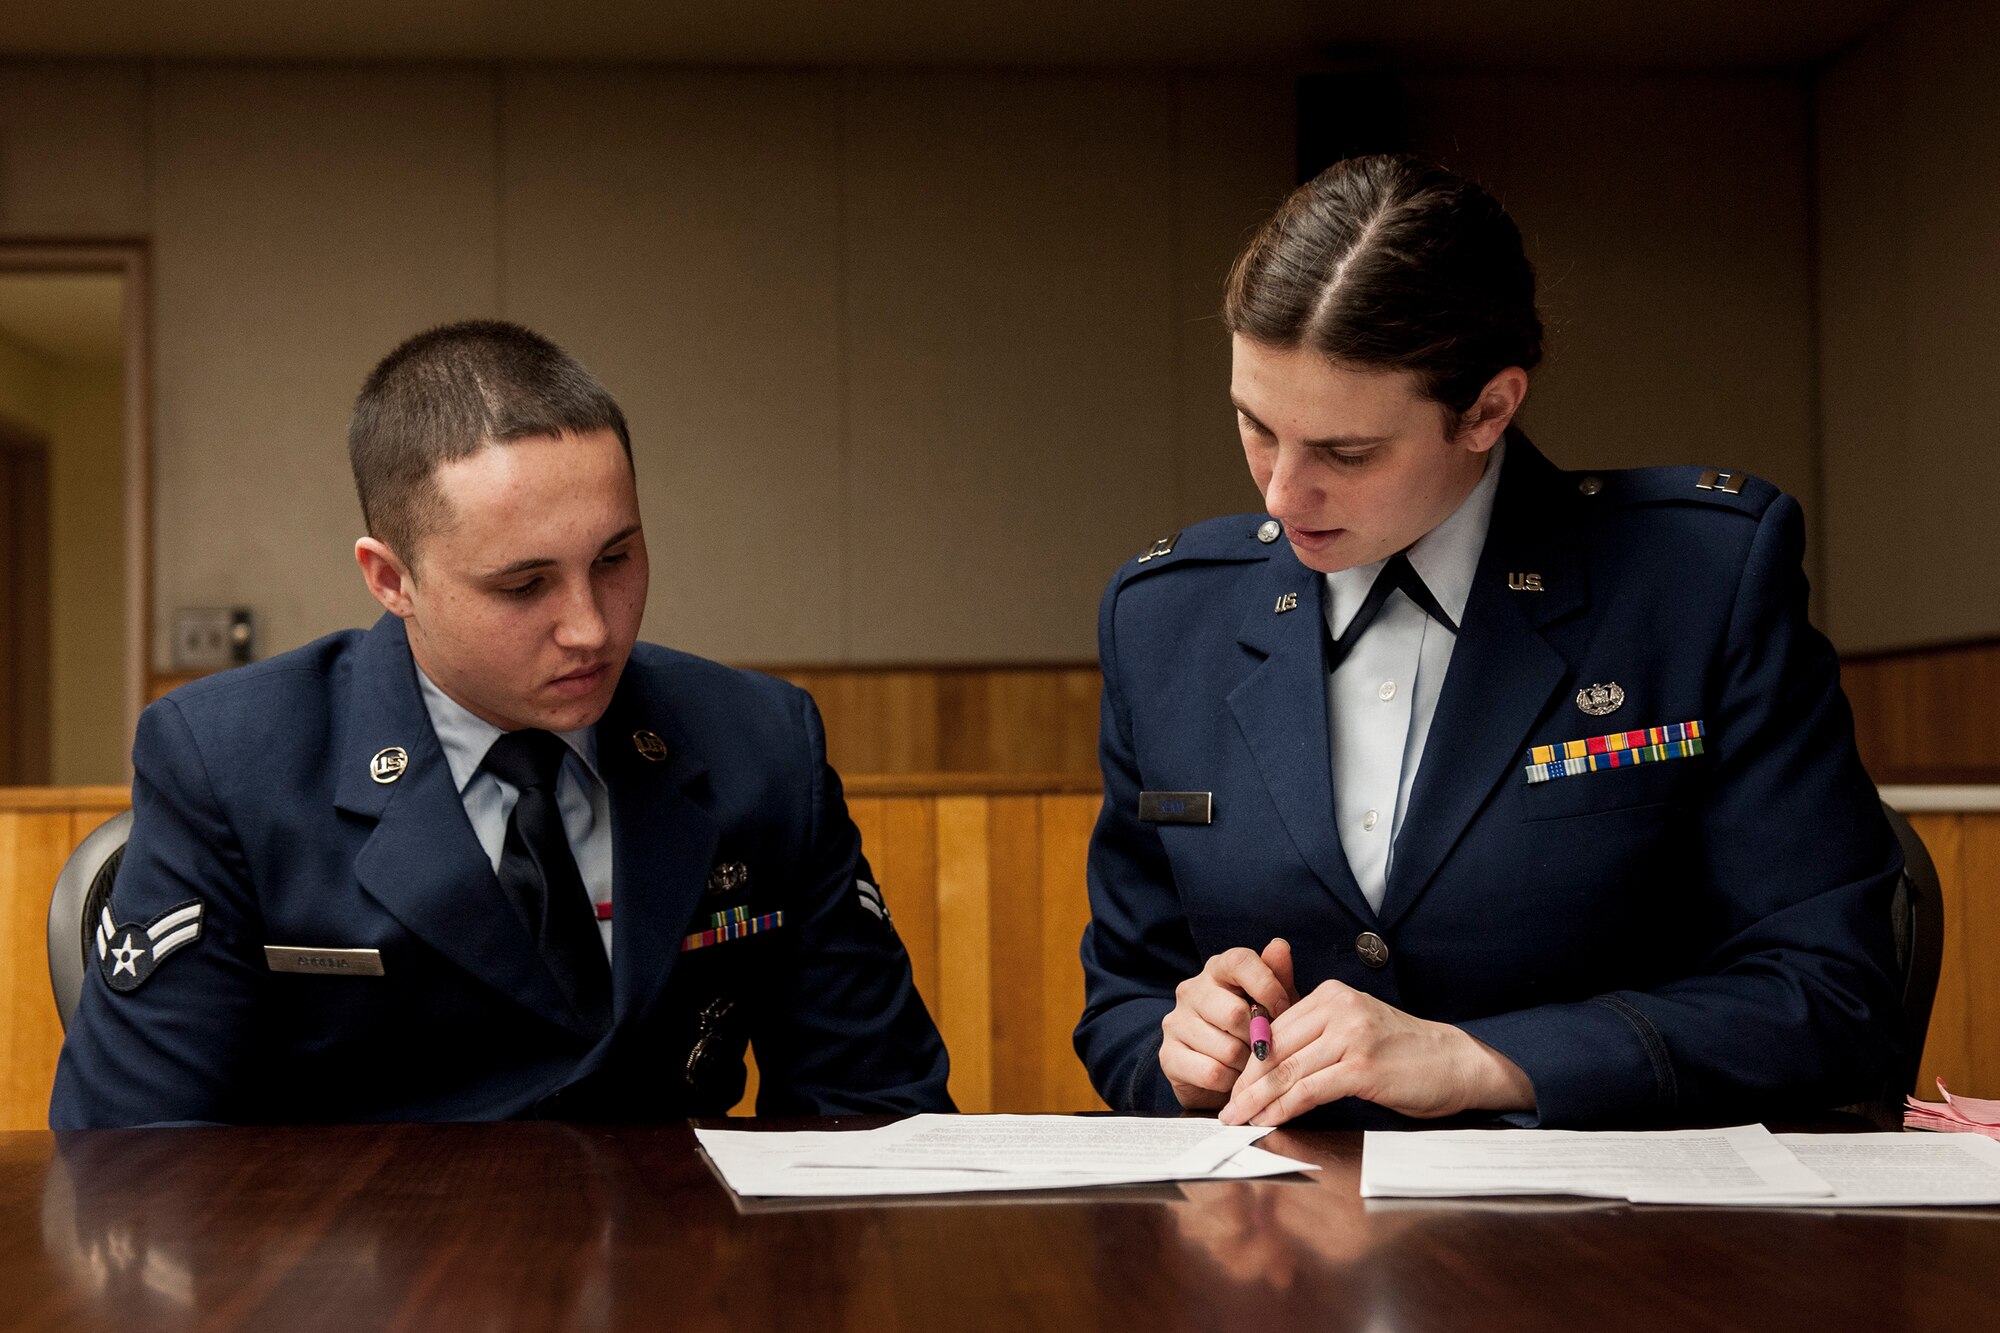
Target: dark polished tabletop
{"x": 546, "y": 1226}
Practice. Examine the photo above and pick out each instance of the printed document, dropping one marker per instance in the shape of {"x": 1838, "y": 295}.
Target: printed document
{"x": 934, "y": 1154}
{"x": 1690, "y": 1165}
{"x": 1742, "y": 1167}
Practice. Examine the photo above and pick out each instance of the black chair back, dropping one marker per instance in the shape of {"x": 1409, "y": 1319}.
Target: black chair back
{"x": 82, "y": 889}
{"x": 1917, "y": 915}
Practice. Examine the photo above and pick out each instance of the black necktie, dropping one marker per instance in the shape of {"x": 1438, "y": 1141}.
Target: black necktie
{"x": 540, "y": 876}
{"x": 1398, "y": 573}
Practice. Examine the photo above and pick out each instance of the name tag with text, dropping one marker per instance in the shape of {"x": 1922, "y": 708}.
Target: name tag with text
{"x": 1176, "y": 807}
{"x": 324, "y": 962}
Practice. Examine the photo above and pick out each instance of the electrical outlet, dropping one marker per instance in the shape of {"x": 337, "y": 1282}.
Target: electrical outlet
{"x": 213, "y": 637}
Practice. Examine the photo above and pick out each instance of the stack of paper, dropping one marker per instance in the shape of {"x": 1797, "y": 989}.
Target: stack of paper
{"x": 1743, "y": 1166}
{"x": 1954, "y": 1115}
{"x": 951, "y": 1154}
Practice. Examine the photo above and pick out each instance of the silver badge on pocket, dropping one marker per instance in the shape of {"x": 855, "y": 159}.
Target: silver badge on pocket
{"x": 1597, "y": 700}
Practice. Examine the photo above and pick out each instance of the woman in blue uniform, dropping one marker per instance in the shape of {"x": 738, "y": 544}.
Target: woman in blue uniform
{"x": 1502, "y": 789}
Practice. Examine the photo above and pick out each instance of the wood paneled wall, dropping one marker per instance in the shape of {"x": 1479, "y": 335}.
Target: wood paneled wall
{"x": 39, "y": 826}
{"x": 936, "y": 719}
{"x": 1925, "y": 716}
{"x": 984, "y": 878}
{"x": 966, "y": 719}
{"x": 983, "y": 875}
{"x": 1963, "y": 1047}
{"x": 1929, "y": 715}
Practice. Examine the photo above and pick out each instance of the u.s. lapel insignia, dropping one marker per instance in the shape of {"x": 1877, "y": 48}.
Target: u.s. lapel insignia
{"x": 650, "y": 746}
{"x": 1597, "y": 700}
{"x": 128, "y": 954}
{"x": 1288, "y": 602}
{"x": 728, "y": 877}
{"x": 1525, "y": 582}
{"x": 389, "y": 764}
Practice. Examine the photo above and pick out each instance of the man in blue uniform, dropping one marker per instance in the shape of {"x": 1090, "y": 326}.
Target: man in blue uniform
{"x": 491, "y": 858}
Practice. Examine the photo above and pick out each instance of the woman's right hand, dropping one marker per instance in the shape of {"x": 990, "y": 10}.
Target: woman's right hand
{"x": 1207, "y": 1034}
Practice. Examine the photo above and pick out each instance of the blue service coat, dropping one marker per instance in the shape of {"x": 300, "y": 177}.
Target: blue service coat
{"x": 1702, "y": 938}
{"x": 253, "y": 797}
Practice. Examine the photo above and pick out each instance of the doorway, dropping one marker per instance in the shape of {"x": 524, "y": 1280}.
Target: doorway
{"x": 73, "y": 474}
{"x": 25, "y": 658}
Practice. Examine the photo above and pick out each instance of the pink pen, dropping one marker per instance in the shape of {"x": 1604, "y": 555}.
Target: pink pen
{"x": 1260, "y": 1032}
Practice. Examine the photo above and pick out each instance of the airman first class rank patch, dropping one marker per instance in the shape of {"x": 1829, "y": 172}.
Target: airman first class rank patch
{"x": 1620, "y": 749}
{"x": 128, "y": 954}
{"x": 871, "y": 901}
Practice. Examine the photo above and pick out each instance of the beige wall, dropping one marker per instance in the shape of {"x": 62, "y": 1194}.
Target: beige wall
{"x": 1669, "y": 221}
{"x": 86, "y": 533}
{"x": 1909, "y": 287}
{"x": 76, "y": 410}
{"x": 914, "y": 358}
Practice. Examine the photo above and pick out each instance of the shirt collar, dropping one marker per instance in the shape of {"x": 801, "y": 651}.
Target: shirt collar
{"x": 466, "y": 737}
{"x": 1446, "y": 557}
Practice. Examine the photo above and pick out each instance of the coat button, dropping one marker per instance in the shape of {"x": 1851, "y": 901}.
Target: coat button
{"x": 1372, "y": 949}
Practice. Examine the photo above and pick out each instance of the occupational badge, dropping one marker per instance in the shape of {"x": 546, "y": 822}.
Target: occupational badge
{"x": 728, "y": 877}
{"x": 1597, "y": 700}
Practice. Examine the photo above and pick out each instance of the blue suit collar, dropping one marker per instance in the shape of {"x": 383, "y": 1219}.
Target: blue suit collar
{"x": 1504, "y": 673}
{"x": 425, "y": 866}
{"x": 1281, "y": 712}
{"x": 1503, "y": 676}
{"x": 422, "y": 861}
{"x": 664, "y": 836}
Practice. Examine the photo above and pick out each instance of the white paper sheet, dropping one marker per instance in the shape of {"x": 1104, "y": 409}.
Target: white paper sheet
{"x": 1108, "y": 1145}
{"x": 780, "y": 1165}
{"x": 1900, "y": 1170}
{"x": 1743, "y": 1163}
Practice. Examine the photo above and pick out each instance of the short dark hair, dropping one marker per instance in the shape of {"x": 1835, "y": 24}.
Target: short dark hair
{"x": 1391, "y": 262}
{"x": 449, "y": 392}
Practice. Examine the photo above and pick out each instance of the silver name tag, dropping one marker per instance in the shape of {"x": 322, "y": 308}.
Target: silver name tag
{"x": 1176, "y": 807}
{"x": 324, "y": 962}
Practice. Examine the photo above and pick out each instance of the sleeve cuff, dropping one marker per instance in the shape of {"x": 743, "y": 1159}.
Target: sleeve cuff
{"x": 1596, "y": 1063}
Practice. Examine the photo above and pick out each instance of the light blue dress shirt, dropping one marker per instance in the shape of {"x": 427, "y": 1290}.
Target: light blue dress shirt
{"x": 1381, "y": 698}
{"x": 581, "y": 795}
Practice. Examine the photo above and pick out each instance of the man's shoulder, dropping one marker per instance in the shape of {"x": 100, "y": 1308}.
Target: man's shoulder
{"x": 714, "y": 703}
{"x": 288, "y": 681}
{"x": 686, "y": 678}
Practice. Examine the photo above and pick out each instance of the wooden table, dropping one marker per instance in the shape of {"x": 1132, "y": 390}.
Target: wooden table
{"x": 543, "y": 1226}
